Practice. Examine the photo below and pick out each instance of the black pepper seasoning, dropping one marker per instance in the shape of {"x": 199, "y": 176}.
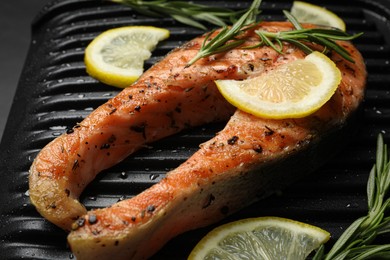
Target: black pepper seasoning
{"x": 139, "y": 129}
{"x": 151, "y": 208}
{"x": 113, "y": 111}
{"x": 80, "y": 222}
{"x": 208, "y": 201}
{"x": 105, "y": 146}
{"x": 269, "y": 131}
{"x": 112, "y": 139}
{"x": 92, "y": 219}
{"x": 75, "y": 165}
{"x": 258, "y": 149}
{"x": 232, "y": 140}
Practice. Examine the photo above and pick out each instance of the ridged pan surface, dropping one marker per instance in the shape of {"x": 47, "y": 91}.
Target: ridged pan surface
{"x": 54, "y": 93}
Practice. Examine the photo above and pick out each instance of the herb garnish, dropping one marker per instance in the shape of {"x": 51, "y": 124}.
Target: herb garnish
{"x": 226, "y": 39}
{"x": 355, "y": 242}
{"x": 184, "y": 12}
{"x": 298, "y": 37}
{"x": 191, "y": 14}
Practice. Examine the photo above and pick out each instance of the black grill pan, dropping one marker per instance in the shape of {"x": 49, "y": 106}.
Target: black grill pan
{"x": 54, "y": 93}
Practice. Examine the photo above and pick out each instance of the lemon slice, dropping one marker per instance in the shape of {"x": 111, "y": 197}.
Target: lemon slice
{"x": 116, "y": 57}
{"x": 260, "y": 238}
{"x": 309, "y": 13}
{"x": 292, "y": 90}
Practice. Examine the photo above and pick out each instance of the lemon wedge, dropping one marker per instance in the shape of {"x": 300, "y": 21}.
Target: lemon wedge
{"x": 309, "y": 13}
{"x": 292, "y": 90}
{"x": 116, "y": 57}
{"x": 260, "y": 238}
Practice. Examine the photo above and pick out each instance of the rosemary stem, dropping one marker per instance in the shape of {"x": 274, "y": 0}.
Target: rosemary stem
{"x": 355, "y": 242}
{"x": 226, "y": 38}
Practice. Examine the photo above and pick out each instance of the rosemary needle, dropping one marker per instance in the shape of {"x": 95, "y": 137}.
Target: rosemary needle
{"x": 356, "y": 242}
{"x": 184, "y": 12}
{"x": 226, "y": 39}
{"x": 301, "y": 38}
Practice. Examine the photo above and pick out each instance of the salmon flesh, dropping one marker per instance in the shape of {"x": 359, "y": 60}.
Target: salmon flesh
{"x": 247, "y": 160}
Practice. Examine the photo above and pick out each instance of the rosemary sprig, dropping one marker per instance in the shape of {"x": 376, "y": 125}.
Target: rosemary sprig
{"x": 191, "y": 14}
{"x": 302, "y": 38}
{"x": 355, "y": 242}
{"x": 226, "y": 39}
{"x": 184, "y": 12}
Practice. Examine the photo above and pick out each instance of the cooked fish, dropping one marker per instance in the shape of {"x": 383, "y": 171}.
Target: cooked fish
{"x": 245, "y": 161}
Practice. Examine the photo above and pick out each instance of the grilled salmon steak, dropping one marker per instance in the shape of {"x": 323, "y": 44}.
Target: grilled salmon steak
{"x": 245, "y": 161}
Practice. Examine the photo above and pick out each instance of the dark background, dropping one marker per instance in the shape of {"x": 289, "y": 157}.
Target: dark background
{"x": 15, "y": 21}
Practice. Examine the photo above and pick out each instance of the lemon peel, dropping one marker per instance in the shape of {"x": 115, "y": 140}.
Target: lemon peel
{"x": 310, "y": 13}
{"x": 116, "y": 57}
{"x": 292, "y": 90}
{"x": 260, "y": 238}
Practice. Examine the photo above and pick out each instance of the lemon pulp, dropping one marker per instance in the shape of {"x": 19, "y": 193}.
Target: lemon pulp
{"x": 309, "y": 13}
{"x": 260, "y": 238}
{"x": 116, "y": 57}
{"x": 292, "y": 90}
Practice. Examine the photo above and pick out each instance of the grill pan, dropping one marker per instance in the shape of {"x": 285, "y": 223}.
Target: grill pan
{"x": 54, "y": 93}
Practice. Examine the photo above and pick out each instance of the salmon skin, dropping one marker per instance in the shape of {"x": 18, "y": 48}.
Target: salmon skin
{"x": 249, "y": 156}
